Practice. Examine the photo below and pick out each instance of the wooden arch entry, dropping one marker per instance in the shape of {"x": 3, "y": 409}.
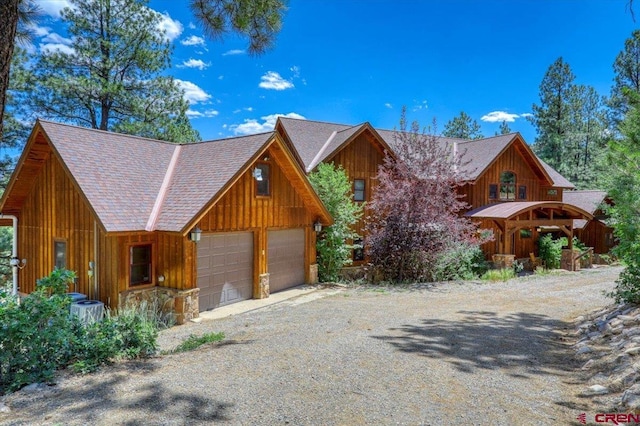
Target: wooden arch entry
{"x": 508, "y": 218}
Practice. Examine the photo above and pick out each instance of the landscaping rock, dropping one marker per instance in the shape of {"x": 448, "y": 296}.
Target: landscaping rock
{"x": 4, "y": 408}
{"x": 597, "y": 390}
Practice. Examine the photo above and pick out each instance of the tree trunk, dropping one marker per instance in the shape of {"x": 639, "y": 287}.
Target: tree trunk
{"x": 8, "y": 27}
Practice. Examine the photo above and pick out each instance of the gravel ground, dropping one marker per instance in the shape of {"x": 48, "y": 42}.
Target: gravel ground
{"x": 451, "y": 353}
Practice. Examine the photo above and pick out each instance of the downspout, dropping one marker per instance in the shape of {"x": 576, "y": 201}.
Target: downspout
{"x": 15, "y": 262}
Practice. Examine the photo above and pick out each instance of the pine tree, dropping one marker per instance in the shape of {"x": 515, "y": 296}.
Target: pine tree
{"x": 462, "y": 127}
{"x": 504, "y": 129}
{"x": 627, "y": 77}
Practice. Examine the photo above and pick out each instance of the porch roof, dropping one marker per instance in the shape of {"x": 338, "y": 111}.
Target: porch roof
{"x": 510, "y": 210}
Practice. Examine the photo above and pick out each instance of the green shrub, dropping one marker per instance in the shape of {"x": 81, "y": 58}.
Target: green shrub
{"x": 462, "y": 261}
{"x": 38, "y": 336}
{"x": 627, "y": 285}
{"x": 551, "y": 250}
{"x": 498, "y": 275}
{"x": 194, "y": 342}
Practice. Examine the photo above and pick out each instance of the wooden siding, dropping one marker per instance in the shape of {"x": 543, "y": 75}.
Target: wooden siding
{"x": 360, "y": 160}
{"x": 595, "y": 235}
{"x": 54, "y": 210}
{"x": 512, "y": 160}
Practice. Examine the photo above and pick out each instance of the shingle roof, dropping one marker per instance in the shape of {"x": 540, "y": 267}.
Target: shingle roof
{"x": 586, "y": 200}
{"x": 122, "y": 176}
{"x": 311, "y": 138}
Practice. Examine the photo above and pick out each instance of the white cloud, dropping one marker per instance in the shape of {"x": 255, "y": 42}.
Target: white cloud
{"x": 171, "y": 28}
{"x": 249, "y": 109}
{"x": 388, "y": 105}
{"x": 252, "y": 126}
{"x": 526, "y": 114}
{"x": 198, "y": 114}
{"x": 39, "y": 31}
{"x": 192, "y": 93}
{"x": 56, "y": 39}
{"x": 56, "y": 47}
{"x": 194, "y": 63}
{"x": 419, "y": 105}
{"x": 192, "y": 26}
{"x": 53, "y": 7}
{"x": 295, "y": 70}
{"x": 499, "y": 117}
{"x": 273, "y": 81}
{"x": 221, "y": 77}
{"x": 233, "y": 52}
{"x": 193, "y": 41}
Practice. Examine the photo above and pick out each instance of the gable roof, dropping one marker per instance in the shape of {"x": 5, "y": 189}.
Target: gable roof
{"x": 134, "y": 183}
{"x": 317, "y": 141}
{"x": 589, "y": 200}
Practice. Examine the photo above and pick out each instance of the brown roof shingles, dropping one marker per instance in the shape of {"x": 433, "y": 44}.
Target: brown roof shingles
{"x": 589, "y": 200}
{"x": 121, "y": 176}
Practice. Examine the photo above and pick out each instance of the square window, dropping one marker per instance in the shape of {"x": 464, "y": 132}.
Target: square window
{"x": 552, "y": 192}
{"x": 358, "y": 190}
{"x": 525, "y": 233}
{"x": 140, "y": 265}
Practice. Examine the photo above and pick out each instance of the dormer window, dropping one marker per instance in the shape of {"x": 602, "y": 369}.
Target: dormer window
{"x": 507, "y": 186}
{"x": 262, "y": 177}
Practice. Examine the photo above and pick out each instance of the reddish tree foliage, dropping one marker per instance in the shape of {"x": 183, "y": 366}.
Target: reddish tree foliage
{"x": 416, "y": 208}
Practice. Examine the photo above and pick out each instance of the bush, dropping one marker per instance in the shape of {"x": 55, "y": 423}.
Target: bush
{"x": 38, "y": 336}
{"x": 627, "y": 285}
{"x": 462, "y": 261}
{"x": 499, "y": 275}
{"x": 551, "y": 250}
{"x": 194, "y": 342}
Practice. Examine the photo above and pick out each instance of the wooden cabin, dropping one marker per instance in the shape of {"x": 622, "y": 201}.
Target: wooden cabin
{"x": 593, "y": 233}
{"x": 197, "y": 226}
{"x": 511, "y": 191}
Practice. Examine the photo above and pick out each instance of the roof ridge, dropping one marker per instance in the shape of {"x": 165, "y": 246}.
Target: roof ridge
{"x": 109, "y": 132}
{"x": 316, "y": 159}
{"x": 164, "y": 188}
{"x": 512, "y": 134}
{"x": 314, "y": 121}
{"x": 230, "y": 138}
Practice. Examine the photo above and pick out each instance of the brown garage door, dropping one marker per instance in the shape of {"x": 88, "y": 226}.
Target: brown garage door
{"x": 225, "y": 268}
{"x": 286, "y": 258}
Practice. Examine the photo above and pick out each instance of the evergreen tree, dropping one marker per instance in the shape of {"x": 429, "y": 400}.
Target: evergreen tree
{"x": 627, "y": 77}
{"x": 462, "y": 127}
{"x": 112, "y": 79}
{"x": 504, "y": 129}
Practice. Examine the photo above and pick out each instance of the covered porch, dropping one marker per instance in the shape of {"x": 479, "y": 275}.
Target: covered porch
{"x": 506, "y": 220}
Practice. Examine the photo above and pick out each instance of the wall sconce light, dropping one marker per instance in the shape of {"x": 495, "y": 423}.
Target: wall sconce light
{"x": 195, "y": 234}
{"x": 257, "y": 174}
{"x": 317, "y": 226}
{"x": 160, "y": 278}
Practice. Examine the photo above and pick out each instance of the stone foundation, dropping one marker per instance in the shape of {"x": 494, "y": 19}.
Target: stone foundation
{"x": 313, "y": 274}
{"x": 568, "y": 258}
{"x": 263, "y": 287}
{"x": 173, "y": 306}
{"x": 502, "y": 261}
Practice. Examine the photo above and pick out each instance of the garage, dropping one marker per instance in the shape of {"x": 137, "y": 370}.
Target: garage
{"x": 225, "y": 268}
{"x": 285, "y": 258}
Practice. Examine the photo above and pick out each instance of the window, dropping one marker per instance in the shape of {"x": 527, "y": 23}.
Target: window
{"x": 358, "y": 250}
{"x": 140, "y": 265}
{"x": 507, "y": 186}
{"x": 60, "y": 254}
{"x": 358, "y": 190}
{"x": 525, "y": 233}
{"x": 522, "y": 192}
{"x": 493, "y": 191}
{"x": 552, "y": 192}
{"x": 263, "y": 181}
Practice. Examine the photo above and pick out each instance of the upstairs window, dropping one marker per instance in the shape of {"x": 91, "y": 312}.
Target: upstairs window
{"x": 358, "y": 190}
{"x": 140, "y": 265}
{"x": 507, "y": 186}
{"x": 522, "y": 192}
{"x": 493, "y": 191}
{"x": 262, "y": 176}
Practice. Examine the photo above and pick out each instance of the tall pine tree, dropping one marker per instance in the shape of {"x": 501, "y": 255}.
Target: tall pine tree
{"x": 463, "y": 127}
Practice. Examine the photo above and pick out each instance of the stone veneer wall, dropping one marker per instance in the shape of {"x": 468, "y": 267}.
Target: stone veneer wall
{"x": 171, "y": 304}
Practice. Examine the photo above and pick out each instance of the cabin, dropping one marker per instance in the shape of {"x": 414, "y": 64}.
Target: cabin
{"x": 194, "y": 226}
{"x": 511, "y": 192}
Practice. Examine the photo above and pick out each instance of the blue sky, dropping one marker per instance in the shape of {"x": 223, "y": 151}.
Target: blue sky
{"x": 351, "y": 61}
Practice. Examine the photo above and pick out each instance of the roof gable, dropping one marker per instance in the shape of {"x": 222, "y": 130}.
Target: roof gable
{"x": 135, "y": 184}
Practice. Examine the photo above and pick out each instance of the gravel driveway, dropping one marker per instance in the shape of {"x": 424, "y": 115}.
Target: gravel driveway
{"x": 470, "y": 353}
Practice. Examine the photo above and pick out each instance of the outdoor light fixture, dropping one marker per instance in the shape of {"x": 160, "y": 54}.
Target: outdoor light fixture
{"x": 317, "y": 226}
{"x": 257, "y": 174}
{"x": 160, "y": 278}
{"x": 195, "y": 234}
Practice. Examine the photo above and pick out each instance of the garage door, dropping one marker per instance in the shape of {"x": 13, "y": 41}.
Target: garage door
{"x": 225, "y": 269}
{"x": 286, "y": 258}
